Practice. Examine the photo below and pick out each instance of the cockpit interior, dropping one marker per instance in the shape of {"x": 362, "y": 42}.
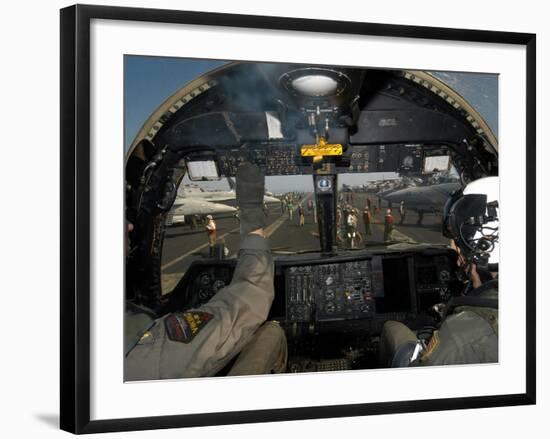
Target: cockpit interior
{"x": 325, "y": 123}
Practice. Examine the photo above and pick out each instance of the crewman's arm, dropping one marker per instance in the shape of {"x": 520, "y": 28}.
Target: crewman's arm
{"x": 201, "y": 341}
{"x": 238, "y": 309}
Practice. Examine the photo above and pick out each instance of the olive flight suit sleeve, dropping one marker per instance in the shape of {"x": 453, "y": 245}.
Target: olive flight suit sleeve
{"x": 468, "y": 336}
{"x": 201, "y": 341}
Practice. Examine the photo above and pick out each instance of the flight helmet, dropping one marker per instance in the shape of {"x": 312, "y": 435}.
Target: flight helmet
{"x": 471, "y": 219}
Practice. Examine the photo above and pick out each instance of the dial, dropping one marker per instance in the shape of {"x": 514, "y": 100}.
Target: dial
{"x": 204, "y": 294}
{"x": 330, "y": 308}
{"x": 408, "y": 161}
{"x": 329, "y": 295}
{"x": 365, "y": 308}
{"x": 218, "y": 285}
{"x": 204, "y": 279}
{"x": 444, "y": 276}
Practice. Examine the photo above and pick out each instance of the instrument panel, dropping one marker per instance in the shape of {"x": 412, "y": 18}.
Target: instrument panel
{"x": 286, "y": 159}
{"x": 371, "y": 287}
{"x": 392, "y": 286}
{"x": 329, "y": 292}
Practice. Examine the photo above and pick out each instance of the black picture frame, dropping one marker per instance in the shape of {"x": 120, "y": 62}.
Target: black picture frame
{"x": 75, "y": 217}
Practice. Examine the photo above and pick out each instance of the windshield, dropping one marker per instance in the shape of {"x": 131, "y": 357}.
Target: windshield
{"x": 373, "y": 209}
{"x": 289, "y": 209}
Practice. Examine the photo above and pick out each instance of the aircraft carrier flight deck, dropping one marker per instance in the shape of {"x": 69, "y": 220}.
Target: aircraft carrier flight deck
{"x": 184, "y": 244}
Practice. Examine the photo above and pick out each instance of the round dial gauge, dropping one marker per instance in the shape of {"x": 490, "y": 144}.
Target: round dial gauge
{"x": 408, "y": 161}
{"x": 204, "y": 294}
{"x": 204, "y": 279}
{"x": 218, "y": 285}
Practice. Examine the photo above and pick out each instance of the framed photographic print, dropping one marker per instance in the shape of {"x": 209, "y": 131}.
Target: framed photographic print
{"x": 269, "y": 219}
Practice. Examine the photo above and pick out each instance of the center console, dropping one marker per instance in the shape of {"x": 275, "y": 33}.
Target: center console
{"x": 366, "y": 291}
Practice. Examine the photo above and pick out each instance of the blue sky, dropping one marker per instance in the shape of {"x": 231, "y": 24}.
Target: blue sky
{"x": 149, "y": 81}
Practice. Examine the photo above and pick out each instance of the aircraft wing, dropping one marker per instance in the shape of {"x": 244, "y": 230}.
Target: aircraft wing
{"x": 194, "y": 206}
{"x": 423, "y": 198}
{"x": 269, "y": 199}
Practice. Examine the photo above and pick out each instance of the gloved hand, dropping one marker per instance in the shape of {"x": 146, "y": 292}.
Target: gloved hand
{"x": 250, "y": 196}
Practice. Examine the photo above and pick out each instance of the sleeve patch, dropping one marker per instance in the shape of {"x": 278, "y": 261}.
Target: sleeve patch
{"x": 184, "y": 326}
{"x": 432, "y": 346}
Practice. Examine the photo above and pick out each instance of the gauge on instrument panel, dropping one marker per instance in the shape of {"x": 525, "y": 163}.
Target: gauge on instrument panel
{"x": 408, "y": 161}
{"x": 204, "y": 294}
{"x": 204, "y": 279}
{"x": 202, "y": 169}
{"x": 366, "y": 308}
{"x": 218, "y": 285}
